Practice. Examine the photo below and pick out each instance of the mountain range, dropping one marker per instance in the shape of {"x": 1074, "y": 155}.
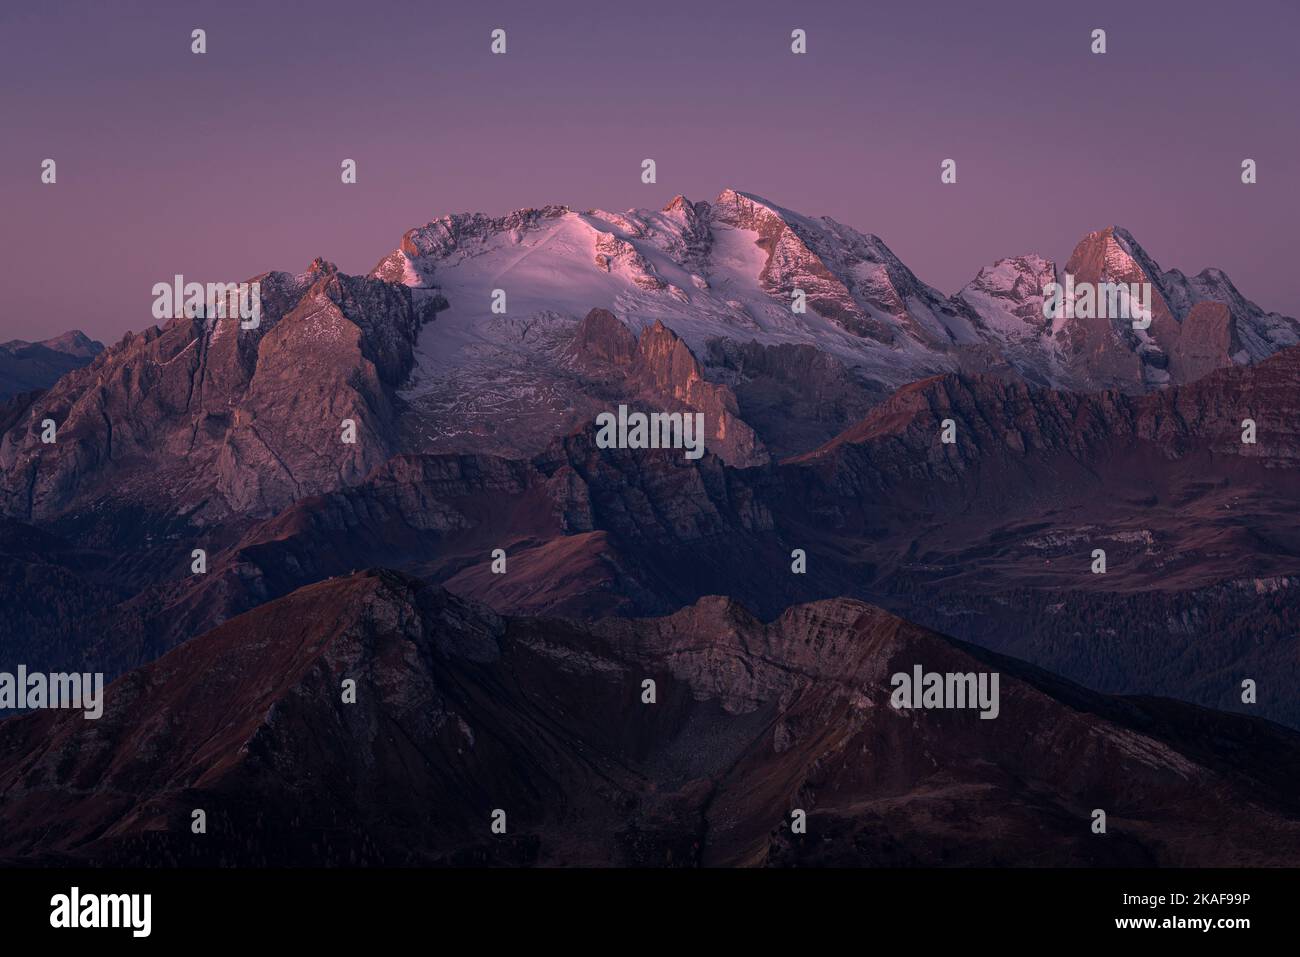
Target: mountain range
{"x": 225, "y": 423}
{"x": 463, "y": 717}
{"x": 29, "y": 366}
{"x": 1173, "y": 449}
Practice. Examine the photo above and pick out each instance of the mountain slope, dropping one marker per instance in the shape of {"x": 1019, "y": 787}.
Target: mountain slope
{"x": 991, "y": 538}
{"x": 201, "y": 418}
{"x": 459, "y": 712}
{"x": 28, "y": 366}
{"x": 721, "y": 276}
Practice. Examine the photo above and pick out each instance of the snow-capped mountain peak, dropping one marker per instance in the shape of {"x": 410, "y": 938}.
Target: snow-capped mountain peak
{"x": 730, "y": 270}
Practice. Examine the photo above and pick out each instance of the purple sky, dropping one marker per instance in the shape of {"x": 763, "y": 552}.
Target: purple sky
{"x": 226, "y": 165}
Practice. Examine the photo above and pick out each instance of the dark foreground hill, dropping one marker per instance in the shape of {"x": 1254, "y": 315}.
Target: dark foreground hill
{"x": 460, "y": 713}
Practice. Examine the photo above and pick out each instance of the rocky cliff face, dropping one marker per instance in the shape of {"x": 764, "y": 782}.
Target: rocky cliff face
{"x": 201, "y": 418}
{"x": 1197, "y": 325}
{"x": 457, "y": 713}
{"x": 826, "y": 484}
{"x": 721, "y": 275}
{"x": 851, "y": 278}
{"x": 1000, "y": 417}
{"x": 795, "y": 396}
{"x": 658, "y": 372}
{"x": 1191, "y": 518}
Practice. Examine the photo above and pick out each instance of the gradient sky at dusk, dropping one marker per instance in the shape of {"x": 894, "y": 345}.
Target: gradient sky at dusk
{"x": 226, "y": 165}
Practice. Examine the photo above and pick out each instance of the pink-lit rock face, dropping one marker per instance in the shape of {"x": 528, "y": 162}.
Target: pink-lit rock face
{"x": 471, "y": 367}
{"x": 577, "y": 504}
{"x": 213, "y": 419}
